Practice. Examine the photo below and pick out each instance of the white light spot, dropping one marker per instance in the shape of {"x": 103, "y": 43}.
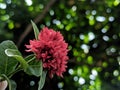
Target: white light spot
{"x": 104, "y": 30}
{"x": 91, "y": 17}
{"x": 85, "y": 48}
{"x": 3, "y": 5}
{"x": 100, "y": 18}
{"x": 111, "y": 18}
{"x": 92, "y": 82}
{"x": 75, "y": 78}
{"x": 28, "y": 2}
{"x": 92, "y": 77}
{"x": 68, "y": 16}
{"x": 51, "y": 12}
{"x": 94, "y": 72}
{"x": 74, "y": 8}
{"x": 113, "y": 50}
{"x": 94, "y": 45}
{"x": 70, "y": 71}
{"x": 81, "y": 36}
{"x": 57, "y": 22}
{"x": 32, "y": 83}
{"x": 116, "y": 73}
{"x": 60, "y": 85}
{"x": 118, "y": 58}
{"x": 81, "y": 81}
{"x": 8, "y": 1}
{"x": 93, "y": 12}
{"x": 108, "y": 10}
{"x": 91, "y": 36}
{"x": 105, "y": 38}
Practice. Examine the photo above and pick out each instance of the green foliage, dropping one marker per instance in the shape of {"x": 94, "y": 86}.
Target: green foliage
{"x": 36, "y": 31}
{"x": 7, "y": 65}
{"x": 14, "y": 85}
{"x": 35, "y": 68}
{"x": 42, "y": 80}
{"x": 91, "y": 27}
{"x": 30, "y": 65}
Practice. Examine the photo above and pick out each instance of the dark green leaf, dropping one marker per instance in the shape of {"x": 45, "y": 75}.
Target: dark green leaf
{"x": 36, "y": 30}
{"x": 13, "y": 85}
{"x": 42, "y": 80}
{"x": 7, "y": 64}
{"x": 35, "y": 68}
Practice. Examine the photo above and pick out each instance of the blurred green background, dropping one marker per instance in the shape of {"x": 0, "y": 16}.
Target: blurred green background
{"x": 90, "y": 27}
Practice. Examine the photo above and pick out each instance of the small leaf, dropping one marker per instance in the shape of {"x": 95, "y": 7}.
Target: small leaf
{"x": 42, "y": 80}
{"x": 36, "y": 31}
{"x": 17, "y": 55}
{"x": 35, "y": 68}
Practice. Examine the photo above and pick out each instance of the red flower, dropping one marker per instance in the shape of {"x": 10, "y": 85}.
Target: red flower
{"x": 52, "y": 50}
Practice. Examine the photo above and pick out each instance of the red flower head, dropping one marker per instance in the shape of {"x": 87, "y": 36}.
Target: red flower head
{"x": 52, "y": 50}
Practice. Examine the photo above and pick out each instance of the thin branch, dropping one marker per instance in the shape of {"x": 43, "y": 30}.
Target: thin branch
{"x": 36, "y": 20}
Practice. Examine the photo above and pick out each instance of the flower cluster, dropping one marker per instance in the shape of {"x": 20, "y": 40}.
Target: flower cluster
{"x": 52, "y": 50}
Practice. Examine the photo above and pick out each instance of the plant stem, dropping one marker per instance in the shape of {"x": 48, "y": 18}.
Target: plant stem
{"x": 17, "y": 70}
{"x": 31, "y": 59}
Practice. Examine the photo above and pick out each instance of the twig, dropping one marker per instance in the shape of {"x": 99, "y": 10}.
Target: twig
{"x": 36, "y": 20}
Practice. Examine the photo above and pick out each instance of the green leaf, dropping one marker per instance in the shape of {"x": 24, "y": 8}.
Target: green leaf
{"x": 17, "y": 55}
{"x": 7, "y": 64}
{"x": 36, "y": 30}
{"x": 13, "y": 85}
{"x": 35, "y": 68}
{"x": 42, "y": 80}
